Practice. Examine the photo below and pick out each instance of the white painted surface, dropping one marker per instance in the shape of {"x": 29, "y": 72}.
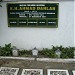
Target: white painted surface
{"x": 40, "y": 37}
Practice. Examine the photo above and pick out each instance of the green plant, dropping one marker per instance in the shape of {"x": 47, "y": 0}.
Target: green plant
{"x": 0, "y": 50}
{"x": 6, "y": 51}
{"x": 25, "y": 53}
{"x": 54, "y": 48}
{"x": 67, "y": 52}
{"x": 48, "y": 53}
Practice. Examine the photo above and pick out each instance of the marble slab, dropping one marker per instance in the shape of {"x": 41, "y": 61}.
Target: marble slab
{"x": 8, "y": 71}
{"x": 57, "y": 72}
{"x": 32, "y": 72}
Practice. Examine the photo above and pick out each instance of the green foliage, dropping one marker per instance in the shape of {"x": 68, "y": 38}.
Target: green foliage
{"x": 54, "y": 48}
{"x": 25, "y": 53}
{"x": 66, "y": 52}
{"x": 48, "y": 53}
{"x": 6, "y": 51}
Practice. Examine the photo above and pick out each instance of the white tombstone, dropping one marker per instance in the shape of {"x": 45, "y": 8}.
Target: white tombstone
{"x": 14, "y": 51}
{"x": 58, "y": 53}
{"x": 35, "y": 52}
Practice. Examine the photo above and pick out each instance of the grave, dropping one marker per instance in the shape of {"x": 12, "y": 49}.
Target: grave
{"x": 57, "y": 72}
{"x": 32, "y": 72}
{"x": 73, "y": 72}
{"x": 8, "y": 71}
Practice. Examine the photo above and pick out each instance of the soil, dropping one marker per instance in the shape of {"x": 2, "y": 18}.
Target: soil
{"x": 33, "y": 64}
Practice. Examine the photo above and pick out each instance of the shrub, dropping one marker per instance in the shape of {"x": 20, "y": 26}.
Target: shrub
{"x": 6, "y": 51}
{"x": 66, "y": 52}
{"x": 48, "y": 53}
{"x": 25, "y": 53}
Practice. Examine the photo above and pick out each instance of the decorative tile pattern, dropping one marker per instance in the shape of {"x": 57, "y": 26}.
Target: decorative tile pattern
{"x": 57, "y": 72}
{"x": 32, "y": 72}
{"x": 73, "y": 72}
{"x": 8, "y": 71}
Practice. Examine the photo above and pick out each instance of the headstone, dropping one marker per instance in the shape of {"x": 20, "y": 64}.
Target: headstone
{"x": 14, "y": 51}
{"x": 57, "y": 72}
{"x": 35, "y": 52}
{"x": 8, "y": 71}
{"x": 58, "y": 53}
{"x": 32, "y": 72}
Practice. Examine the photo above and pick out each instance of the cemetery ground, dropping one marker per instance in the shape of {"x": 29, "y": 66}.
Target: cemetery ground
{"x": 34, "y": 64}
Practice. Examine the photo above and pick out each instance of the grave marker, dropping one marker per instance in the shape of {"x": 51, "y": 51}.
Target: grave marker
{"x": 8, "y": 71}
{"x": 57, "y": 72}
{"x": 32, "y": 72}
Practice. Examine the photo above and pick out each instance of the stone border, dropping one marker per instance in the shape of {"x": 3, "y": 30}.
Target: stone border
{"x": 40, "y": 59}
{"x": 55, "y": 60}
{"x": 32, "y": 71}
{"x": 49, "y": 70}
{"x": 19, "y": 58}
